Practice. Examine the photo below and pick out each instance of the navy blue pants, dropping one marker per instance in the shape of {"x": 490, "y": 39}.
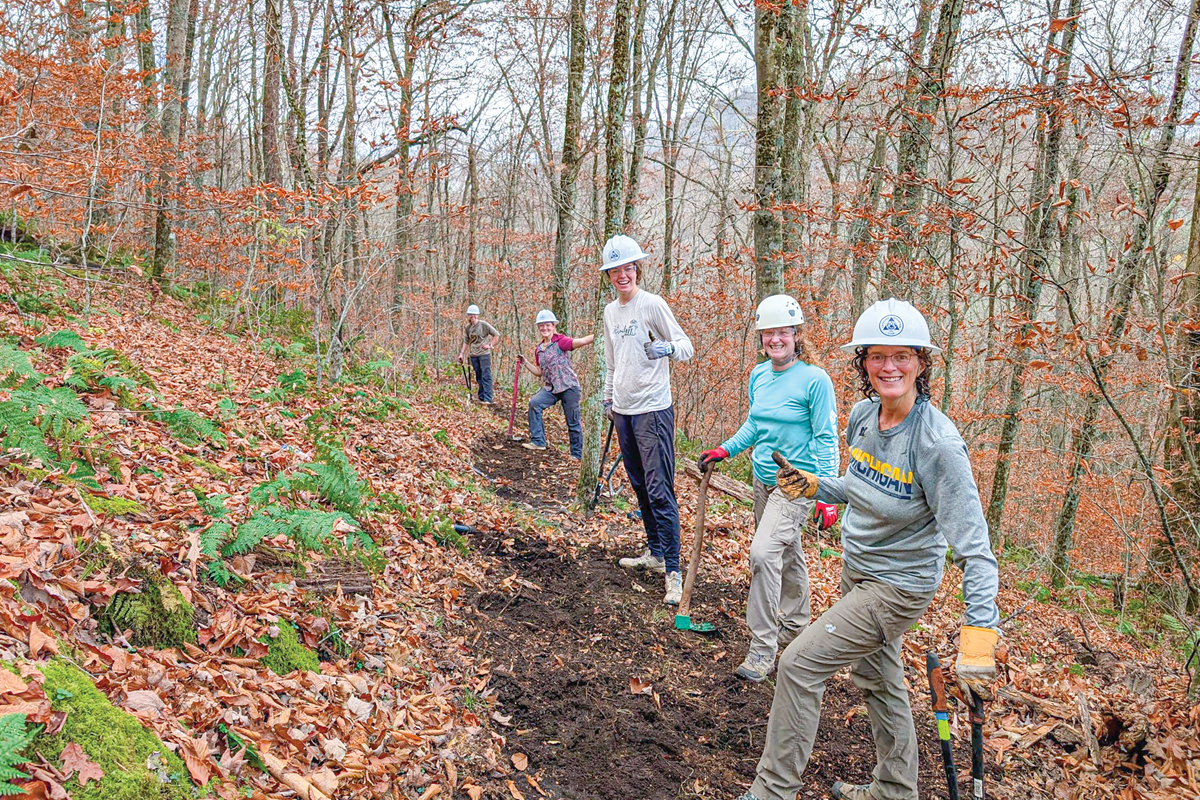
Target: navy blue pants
{"x": 482, "y": 365}
{"x": 570, "y": 403}
{"x": 648, "y": 445}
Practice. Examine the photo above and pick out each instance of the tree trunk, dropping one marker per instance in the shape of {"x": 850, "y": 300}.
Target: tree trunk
{"x": 272, "y": 60}
{"x": 404, "y": 63}
{"x": 1180, "y": 457}
{"x": 571, "y": 158}
{"x": 172, "y": 113}
{"x": 1128, "y": 277}
{"x": 769, "y": 32}
{"x": 864, "y": 250}
{"x": 472, "y": 205}
{"x": 1035, "y": 262}
{"x": 614, "y": 173}
{"x": 912, "y": 152}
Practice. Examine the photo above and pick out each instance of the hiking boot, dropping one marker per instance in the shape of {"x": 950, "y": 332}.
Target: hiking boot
{"x": 674, "y": 589}
{"x": 755, "y": 668}
{"x": 645, "y": 561}
{"x": 787, "y": 636}
{"x": 850, "y": 791}
{"x": 747, "y": 796}
{"x": 533, "y": 446}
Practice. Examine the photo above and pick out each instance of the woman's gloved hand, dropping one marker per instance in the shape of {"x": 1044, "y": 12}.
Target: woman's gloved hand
{"x": 711, "y": 457}
{"x": 975, "y": 666}
{"x": 825, "y": 516}
{"x": 794, "y": 483}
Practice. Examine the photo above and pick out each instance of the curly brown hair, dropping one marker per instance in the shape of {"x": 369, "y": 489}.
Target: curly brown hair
{"x": 859, "y": 362}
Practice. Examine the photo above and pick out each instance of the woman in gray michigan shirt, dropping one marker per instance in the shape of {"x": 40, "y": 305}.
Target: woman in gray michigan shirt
{"x": 909, "y": 492}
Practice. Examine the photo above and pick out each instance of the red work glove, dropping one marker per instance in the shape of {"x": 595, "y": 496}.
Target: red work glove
{"x": 825, "y": 515}
{"x": 711, "y": 457}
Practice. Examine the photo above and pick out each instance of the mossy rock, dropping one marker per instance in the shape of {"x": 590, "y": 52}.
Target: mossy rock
{"x": 157, "y": 616}
{"x": 136, "y": 764}
{"x": 286, "y": 653}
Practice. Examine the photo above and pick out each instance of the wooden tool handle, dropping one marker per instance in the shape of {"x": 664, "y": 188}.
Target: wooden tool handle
{"x": 685, "y": 603}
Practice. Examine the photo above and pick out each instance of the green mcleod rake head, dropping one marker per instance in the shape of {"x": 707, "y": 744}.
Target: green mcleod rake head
{"x": 683, "y": 622}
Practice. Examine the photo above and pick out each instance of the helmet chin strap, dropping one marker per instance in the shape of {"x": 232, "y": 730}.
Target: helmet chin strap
{"x": 787, "y": 363}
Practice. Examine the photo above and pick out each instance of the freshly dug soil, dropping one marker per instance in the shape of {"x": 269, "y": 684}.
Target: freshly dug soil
{"x": 610, "y": 702}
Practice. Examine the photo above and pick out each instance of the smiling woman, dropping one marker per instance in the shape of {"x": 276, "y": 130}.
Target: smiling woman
{"x": 909, "y": 492}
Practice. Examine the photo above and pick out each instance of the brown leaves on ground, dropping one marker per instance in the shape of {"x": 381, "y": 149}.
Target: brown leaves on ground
{"x": 390, "y": 720}
{"x": 74, "y": 760}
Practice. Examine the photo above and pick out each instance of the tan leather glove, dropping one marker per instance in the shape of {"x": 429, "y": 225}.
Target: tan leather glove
{"x": 975, "y": 666}
{"x": 794, "y": 483}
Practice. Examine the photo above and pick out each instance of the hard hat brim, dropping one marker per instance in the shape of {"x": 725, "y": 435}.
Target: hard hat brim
{"x": 628, "y": 259}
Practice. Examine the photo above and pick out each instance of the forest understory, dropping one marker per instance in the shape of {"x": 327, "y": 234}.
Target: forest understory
{"x": 514, "y": 661}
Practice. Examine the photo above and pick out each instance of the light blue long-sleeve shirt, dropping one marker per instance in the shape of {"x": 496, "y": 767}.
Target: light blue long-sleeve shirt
{"x": 793, "y": 412}
{"x": 909, "y": 492}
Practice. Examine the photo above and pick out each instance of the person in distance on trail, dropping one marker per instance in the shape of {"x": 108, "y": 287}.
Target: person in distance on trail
{"x": 552, "y": 363}
{"x": 793, "y": 413}
{"x": 640, "y": 337}
{"x": 479, "y": 339}
{"x": 909, "y": 491}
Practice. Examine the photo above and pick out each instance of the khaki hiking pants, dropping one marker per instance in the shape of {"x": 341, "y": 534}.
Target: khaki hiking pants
{"x": 779, "y": 597}
{"x": 863, "y": 629}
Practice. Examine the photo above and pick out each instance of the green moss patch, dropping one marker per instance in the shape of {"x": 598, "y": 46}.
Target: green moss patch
{"x": 136, "y": 764}
{"x": 285, "y": 653}
{"x": 157, "y": 616}
{"x": 112, "y": 506}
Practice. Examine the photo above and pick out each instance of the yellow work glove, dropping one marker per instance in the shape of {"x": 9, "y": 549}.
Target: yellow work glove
{"x": 794, "y": 483}
{"x": 976, "y": 663}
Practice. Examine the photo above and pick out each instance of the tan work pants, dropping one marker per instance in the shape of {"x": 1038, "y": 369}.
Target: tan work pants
{"x": 779, "y": 597}
{"x": 863, "y": 629}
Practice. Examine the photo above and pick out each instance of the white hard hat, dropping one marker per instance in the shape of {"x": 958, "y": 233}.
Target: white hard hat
{"x": 891, "y": 322}
{"x": 473, "y": 309}
{"x": 619, "y": 251}
{"x": 777, "y": 311}
{"x": 545, "y": 315}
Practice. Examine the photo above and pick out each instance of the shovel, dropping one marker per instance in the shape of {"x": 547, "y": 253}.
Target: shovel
{"x": 512, "y": 415}
{"x": 683, "y": 617}
{"x": 941, "y": 713}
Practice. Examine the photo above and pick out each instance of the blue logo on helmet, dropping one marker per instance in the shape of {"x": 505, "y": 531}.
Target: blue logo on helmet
{"x": 614, "y": 254}
{"x": 891, "y": 325}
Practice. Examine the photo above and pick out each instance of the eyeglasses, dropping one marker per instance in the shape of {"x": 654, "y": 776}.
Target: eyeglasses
{"x": 900, "y": 360}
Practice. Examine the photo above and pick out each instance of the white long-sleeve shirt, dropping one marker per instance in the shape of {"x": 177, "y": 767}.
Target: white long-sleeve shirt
{"x": 633, "y": 383}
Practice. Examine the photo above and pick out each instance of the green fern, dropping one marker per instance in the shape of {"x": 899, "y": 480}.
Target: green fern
{"x": 191, "y": 428}
{"x": 281, "y": 487}
{"x": 15, "y": 369}
{"x": 13, "y": 739}
{"x": 68, "y": 339}
{"x": 307, "y": 529}
{"x": 336, "y": 479}
{"x": 18, "y": 425}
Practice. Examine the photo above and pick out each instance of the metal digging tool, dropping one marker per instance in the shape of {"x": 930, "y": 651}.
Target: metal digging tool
{"x": 941, "y": 712}
{"x": 976, "y": 746}
{"x": 466, "y": 378}
{"x": 512, "y": 415}
{"x": 683, "y": 617}
{"x": 603, "y": 456}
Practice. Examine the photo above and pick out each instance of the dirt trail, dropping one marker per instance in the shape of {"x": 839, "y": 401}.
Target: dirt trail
{"x": 581, "y": 635}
